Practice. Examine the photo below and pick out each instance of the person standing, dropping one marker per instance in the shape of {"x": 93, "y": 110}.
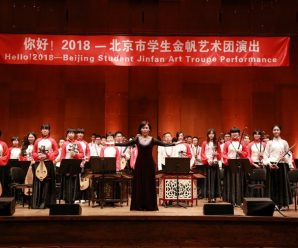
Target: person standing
{"x": 278, "y": 162}
{"x": 234, "y": 180}
{"x": 45, "y": 151}
{"x": 211, "y": 155}
{"x": 143, "y": 185}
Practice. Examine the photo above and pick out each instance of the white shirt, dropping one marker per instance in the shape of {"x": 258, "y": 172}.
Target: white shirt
{"x": 256, "y": 150}
{"x": 195, "y": 155}
{"x": 164, "y": 152}
{"x": 275, "y": 150}
{"x": 15, "y": 153}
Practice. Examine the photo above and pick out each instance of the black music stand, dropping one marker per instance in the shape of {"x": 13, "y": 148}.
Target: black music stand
{"x": 70, "y": 167}
{"x": 177, "y": 166}
{"x": 240, "y": 164}
{"x": 102, "y": 166}
{"x": 20, "y": 164}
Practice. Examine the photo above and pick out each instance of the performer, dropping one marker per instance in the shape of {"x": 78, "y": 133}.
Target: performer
{"x": 27, "y": 155}
{"x": 84, "y": 182}
{"x": 278, "y": 163}
{"x": 182, "y": 149}
{"x": 189, "y": 140}
{"x": 226, "y": 138}
{"x": 4, "y": 156}
{"x": 94, "y": 145}
{"x": 27, "y": 147}
{"x": 255, "y": 150}
{"x": 196, "y": 159}
{"x": 15, "y": 150}
{"x": 246, "y": 140}
{"x": 143, "y": 184}
{"x": 111, "y": 151}
{"x": 234, "y": 181}
{"x": 70, "y": 184}
{"x": 57, "y": 161}
{"x": 165, "y": 151}
{"x": 44, "y": 181}
{"x": 124, "y": 152}
{"x": 211, "y": 155}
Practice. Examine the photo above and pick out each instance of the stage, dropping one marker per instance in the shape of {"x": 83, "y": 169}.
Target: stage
{"x": 168, "y": 227}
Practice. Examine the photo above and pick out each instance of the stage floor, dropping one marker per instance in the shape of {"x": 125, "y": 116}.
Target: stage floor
{"x": 171, "y": 227}
{"x": 117, "y": 210}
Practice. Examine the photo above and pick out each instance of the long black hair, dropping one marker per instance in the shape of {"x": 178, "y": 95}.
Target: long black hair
{"x": 26, "y": 142}
{"x": 212, "y": 130}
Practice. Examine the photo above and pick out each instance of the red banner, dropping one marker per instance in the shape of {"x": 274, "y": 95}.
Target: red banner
{"x": 143, "y": 50}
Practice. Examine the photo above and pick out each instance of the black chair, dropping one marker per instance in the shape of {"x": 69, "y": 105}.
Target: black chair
{"x": 293, "y": 178}
{"x": 18, "y": 186}
{"x": 256, "y": 182}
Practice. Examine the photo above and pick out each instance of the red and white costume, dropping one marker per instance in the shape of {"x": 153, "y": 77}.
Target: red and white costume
{"x": 230, "y": 150}
{"x": 4, "y": 153}
{"x": 95, "y": 150}
{"x": 15, "y": 153}
{"x": 124, "y": 151}
{"x": 133, "y": 156}
{"x": 195, "y": 155}
{"x": 50, "y": 145}
{"x": 182, "y": 149}
{"x": 254, "y": 151}
{"x": 207, "y": 151}
{"x": 67, "y": 150}
{"x": 86, "y": 149}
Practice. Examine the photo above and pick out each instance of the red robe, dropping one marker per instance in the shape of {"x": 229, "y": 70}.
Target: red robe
{"x": 5, "y": 154}
{"x": 204, "y": 156}
{"x": 228, "y": 147}
{"x": 51, "y": 146}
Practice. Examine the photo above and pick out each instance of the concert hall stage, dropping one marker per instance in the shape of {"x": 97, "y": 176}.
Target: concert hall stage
{"x": 168, "y": 227}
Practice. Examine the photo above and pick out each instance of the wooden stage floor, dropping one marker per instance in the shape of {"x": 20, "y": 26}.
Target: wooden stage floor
{"x": 124, "y": 211}
{"x": 169, "y": 227}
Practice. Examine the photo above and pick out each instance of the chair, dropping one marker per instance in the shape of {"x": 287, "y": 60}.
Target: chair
{"x": 256, "y": 182}
{"x": 18, "y": 186}
{"x": 293, "y": 178}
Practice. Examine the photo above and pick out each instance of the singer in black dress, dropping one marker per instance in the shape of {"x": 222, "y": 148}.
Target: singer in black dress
{"x": 143, "y": 196}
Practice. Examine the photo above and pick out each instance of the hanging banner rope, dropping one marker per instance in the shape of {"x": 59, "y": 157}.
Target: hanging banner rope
{"x": 143, "y": 50}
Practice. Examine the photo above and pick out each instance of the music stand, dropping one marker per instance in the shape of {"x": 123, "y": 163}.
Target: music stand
{"x": 177, "y": 166}
{"x": 70, "y": 167}
{"x": 102, "y": 166}
{"x": 239, "y": 164}
{"x": 20, "y": 164}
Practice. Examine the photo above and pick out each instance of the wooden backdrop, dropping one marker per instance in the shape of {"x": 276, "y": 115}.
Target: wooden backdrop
{"x": 102, "y": 99}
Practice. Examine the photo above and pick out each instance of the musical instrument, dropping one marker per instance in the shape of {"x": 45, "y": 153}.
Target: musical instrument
{"x": 73, "y": 148}
{"x": 28, "y": 180}
{"x": 214, "y": 161}
{"x": 84, "y": 183}
{"x": 275, "y": 165}
{"x": 123, "y": 161}
{"x": 41, "y": 170}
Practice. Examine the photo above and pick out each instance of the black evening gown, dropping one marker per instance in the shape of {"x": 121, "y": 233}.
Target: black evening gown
{"x": 143, "y": 197}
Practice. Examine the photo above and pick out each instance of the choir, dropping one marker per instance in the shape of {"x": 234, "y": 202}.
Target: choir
{"x": 215, "y": 159}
